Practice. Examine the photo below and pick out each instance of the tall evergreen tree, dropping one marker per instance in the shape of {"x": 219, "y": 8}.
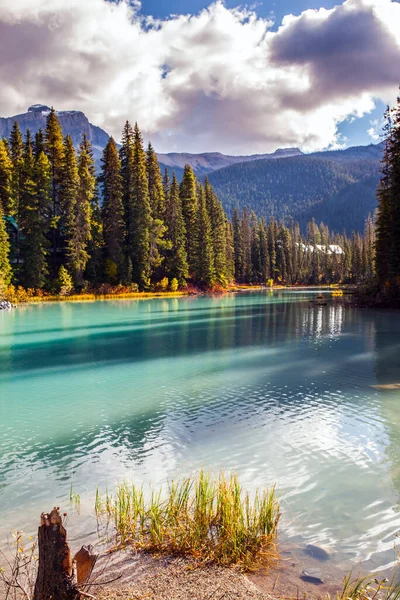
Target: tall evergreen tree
{"x": 218, "y": 233}
{"x": 237, "y": 243}
{"x": 55, "y": 152}
{"x": 188, "y": 195}
{"x": 5, "y": 267}
{"x": 230, "y": 251}
{"x": 176, "y": 258}
{"x": 246, "y": 273}
{"x": 6, "y": 171}
{"x": 141, "y": 214}
{"x": 80, "y": 231}
{"x": 68, "y": 194}
{"x": 113, "y": 210}
{"x": 36, "y": 223}
{"x": 156, "y": 189}
{"x": 127, "y": 167}
{"x": 205, "y": 266}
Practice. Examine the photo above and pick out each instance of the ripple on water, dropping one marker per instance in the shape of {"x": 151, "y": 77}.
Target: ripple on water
{"x": 261, "y": 385}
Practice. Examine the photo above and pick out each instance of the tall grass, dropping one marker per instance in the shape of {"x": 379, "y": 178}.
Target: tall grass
{"x": 370, "y": 588}
{"x": 211, "y": 520}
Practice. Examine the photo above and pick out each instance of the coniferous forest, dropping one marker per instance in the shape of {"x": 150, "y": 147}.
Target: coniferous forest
{"x": 65, "y": 228}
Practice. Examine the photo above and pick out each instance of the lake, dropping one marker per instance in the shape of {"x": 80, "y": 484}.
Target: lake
{"x": 263, "y": 383}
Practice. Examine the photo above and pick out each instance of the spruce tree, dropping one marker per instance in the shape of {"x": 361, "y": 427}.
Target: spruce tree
{"x": 166, "y": 183}
{"x": 69, "y": 211}
{"x": 5, "y": 266}
{"x": 246, "y": 273}
{"x": 126, "y": 158}
{"x": 39, "y": 145}
{"x": 237, "y": 242}
{"x": 78, "y": 215}
{"x": 264, "y": 253}
{"x": 218, "y": 233}
{"x": 156, "y": 189}
{"x": 6, "y": 170}
{"x": 230, "y": 251}
{"x": 205, "y": 267}
{"x": 17, "y": 159}
{"x": 188, "y": 195}
{"x": 141, "y": 214}
{"x": 55, "y": 153}
{"x": 112, "y": 210}
{"x": 38, "y": 214}
{"x": 176, "y": 265}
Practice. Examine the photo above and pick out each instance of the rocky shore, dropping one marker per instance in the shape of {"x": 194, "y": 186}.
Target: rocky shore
{"x": 6, "y": 305}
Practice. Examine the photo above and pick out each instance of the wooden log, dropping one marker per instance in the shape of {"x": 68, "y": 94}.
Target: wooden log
{"x": 55, "y": 572}
{"x": 85, "y": 561}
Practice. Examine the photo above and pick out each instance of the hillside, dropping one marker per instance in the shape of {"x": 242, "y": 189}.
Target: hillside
{"x": 208, "y": 162}
{"x": 337, "y": 188}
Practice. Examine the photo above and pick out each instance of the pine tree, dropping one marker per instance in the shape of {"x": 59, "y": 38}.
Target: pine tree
{"x": 37, "y": 218}
{"x": 205, "y": 266}
{"x": 264, "y": 252}
{"x": 6, "y": 169}
{"x": 218, "y": 233}
{"x": 17, "y": 159}
{"x": 369, "y": 244}
{"x": 82, "y": 232}
{"x": 141, "y": 214}
{"x": 230, "y": 251}
{"x": 39, "y": 145}
{"x": 126, "y": 158}
{"x": 5, "y": 267}
{"x": 156, "y": 189}
{"x": 113, "y": 210}
{"x": 55, "y": 153}
{"x": 237, "y": 242}
{"x": 188, "y": 195}
{"x": 246, "y": 273}
{"x": 69, "y": 211}
{"x": 176, "y": 265}
{"x": 166, "y": 183}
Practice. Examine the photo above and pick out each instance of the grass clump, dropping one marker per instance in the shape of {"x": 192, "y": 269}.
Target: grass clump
{"x": 369, "y": 588}
{"x": 211, "y": 520}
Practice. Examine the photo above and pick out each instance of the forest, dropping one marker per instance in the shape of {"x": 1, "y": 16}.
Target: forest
{"x": 65, "y": 228}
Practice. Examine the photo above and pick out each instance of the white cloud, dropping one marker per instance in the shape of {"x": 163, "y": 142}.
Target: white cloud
{"x": 219, "y": 80}
{"x": 375, "y": 130}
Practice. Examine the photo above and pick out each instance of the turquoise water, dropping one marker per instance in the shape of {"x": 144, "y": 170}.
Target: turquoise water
{"x": 261, "y": 383}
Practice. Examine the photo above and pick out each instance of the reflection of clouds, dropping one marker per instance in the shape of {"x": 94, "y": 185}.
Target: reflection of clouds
{"x": 163, "y": 388}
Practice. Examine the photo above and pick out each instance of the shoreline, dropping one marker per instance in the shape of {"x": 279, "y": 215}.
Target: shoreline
{"x": 93, "y": 297}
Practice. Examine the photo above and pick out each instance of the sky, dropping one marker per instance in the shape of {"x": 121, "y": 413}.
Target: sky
{"x": 204, "y": 76}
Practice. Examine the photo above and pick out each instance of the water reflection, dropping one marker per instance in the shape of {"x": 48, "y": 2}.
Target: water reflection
{"x": 271, "y": 386}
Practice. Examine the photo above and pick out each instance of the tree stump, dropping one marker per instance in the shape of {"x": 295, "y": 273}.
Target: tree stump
{"x": 55, "y": 573}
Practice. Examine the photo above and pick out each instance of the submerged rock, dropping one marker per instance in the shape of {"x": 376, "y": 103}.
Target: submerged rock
{"x": 6, "y": 305}
{"x": 317, "y": 552}
{"x": 312, "y": 576}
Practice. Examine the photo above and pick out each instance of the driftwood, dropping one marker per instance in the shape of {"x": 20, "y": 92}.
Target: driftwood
{"x": 55, "y": 578}
{"x": 85, "y": 561}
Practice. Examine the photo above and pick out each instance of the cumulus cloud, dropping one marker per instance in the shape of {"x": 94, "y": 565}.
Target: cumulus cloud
{"x": 218, "y": 80}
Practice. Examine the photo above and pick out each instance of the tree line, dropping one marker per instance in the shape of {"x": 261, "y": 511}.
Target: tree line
{"x": 64, "y": 225}
{"x": 388, "y": 218}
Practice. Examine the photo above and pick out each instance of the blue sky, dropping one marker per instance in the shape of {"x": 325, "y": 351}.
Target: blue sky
{"x": 203, "y": 77}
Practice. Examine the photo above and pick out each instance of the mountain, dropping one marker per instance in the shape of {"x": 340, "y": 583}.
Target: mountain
{"x": 336, "y": 187}
{"x": 73, "y": 122}
{"x": 206, "y": 163}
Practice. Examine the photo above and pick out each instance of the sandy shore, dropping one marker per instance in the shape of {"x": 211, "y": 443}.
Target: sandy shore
{"x": 129, "y": 576}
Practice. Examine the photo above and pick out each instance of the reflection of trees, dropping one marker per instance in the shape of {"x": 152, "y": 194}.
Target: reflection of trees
{"x": 387, "y": 371}
{"x": 166, "y": 328}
